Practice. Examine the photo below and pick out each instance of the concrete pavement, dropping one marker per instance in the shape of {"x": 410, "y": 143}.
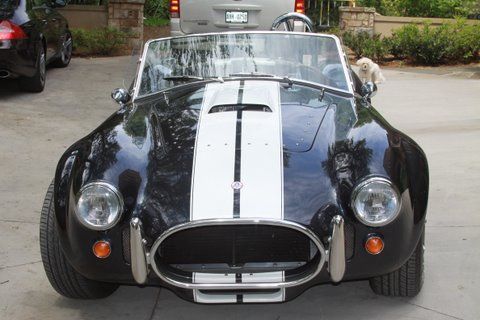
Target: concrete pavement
{"x": 440, "y": 112}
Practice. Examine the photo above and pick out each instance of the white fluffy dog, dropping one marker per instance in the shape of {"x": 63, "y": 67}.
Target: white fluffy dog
{"x": 370, "y": 71}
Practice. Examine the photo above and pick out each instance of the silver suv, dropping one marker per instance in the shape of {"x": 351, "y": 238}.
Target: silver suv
{"x": 201, "y": 16}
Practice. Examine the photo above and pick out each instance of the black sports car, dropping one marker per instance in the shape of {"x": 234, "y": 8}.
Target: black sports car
{"x": 241, "y": 167}
{"x": 32, "y": 35}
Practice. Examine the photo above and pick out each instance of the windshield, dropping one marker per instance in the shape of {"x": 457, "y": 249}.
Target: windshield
{"x": 307, "y": 57}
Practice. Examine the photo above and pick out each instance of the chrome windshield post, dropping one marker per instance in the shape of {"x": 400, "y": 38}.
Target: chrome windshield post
{"x": 336, "y": 250}
{"x": 138, "y": 252}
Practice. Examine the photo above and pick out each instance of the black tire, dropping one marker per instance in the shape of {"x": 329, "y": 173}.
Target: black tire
{"x": 406, "y": 281}
{"x": 37, "y": 82}
{"x": 66, "y": 52}
{"x": 63, "y": 278}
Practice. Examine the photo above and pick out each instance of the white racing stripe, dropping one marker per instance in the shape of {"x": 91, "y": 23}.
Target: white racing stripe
{"x": 213, "y": 167}
{"x": 251, "y": 297}
{"x": 261, "y": 161}
{"x": 254, "y": 139}
{"x": 262, "y": 154}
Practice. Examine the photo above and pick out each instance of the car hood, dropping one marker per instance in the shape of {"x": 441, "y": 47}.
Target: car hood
{"x": 290, "y": 114}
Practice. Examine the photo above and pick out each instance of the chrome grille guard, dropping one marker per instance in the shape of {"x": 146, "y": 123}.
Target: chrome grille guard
{"x": 141, "y": 258}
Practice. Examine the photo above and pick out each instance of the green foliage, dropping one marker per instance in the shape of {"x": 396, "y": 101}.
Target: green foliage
{"x": 464, "y": 42}
{"x": 404, "y": 41}
{"x": 156, "y": 22}
{"x": 384, "y": 7}
{"x": 449, "y": 43}
{"x": 365, "y": 45}
{"x": 156, "y": 9}
{"x": 435, "y": 8}
{"x": 103, "y": 41}
{"x": 456, "y": 42}
{"x": 421, "y": 8}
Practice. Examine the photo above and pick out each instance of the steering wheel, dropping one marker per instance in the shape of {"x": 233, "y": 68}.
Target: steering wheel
{"x": 287, "y": 19}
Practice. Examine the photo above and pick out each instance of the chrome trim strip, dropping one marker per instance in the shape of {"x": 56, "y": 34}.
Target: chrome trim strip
{"x": 230, "y": 286}
{"x": 138, "y": 252}
{"x": 341, "y": 53}
{"x": 336, "y": 251}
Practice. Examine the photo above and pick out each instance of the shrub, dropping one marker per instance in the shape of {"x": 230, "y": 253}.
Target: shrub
{"x": 157, "y": 9}
{"x": 463, "y": 42}
{"x": 435, "y": 8}
{"x": 403, "y": 41}
{"x": 424, "y": 45}
{"x": 449, "y": 43}
{"x": 364, "y": 45}
{"x": 421, "y": 8}
{"x": 102, "y": 41}
{"x": 156, "y": 22}
{"x": 384, "y": 7}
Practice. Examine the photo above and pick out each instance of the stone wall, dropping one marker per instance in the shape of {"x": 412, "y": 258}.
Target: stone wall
{"x": 127, "y": 16}
{"x": 357, "y": 19}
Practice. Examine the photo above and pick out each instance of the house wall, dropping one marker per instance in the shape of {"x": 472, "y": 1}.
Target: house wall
{"x": 366, "y": 19}
{"x": 385, "y": 25}
{"x": 85, "y": 17}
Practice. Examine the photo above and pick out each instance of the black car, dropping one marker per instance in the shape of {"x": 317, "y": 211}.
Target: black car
{"x": 32, "y": 35}
{"x": 242, "y": 167}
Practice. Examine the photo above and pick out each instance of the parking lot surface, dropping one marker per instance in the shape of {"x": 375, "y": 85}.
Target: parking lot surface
{"x": 441, "y": 112}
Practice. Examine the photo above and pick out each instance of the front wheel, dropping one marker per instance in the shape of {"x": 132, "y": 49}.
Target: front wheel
{"x": 63, "y": 278}
{"x": 407, "y": 281}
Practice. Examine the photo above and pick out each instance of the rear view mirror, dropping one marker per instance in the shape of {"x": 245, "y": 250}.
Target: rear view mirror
{"x": 120, "y": 95}
{"x": 369, "y": 90}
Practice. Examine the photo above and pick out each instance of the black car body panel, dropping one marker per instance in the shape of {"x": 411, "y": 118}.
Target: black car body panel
{"x": 146, "y": 150}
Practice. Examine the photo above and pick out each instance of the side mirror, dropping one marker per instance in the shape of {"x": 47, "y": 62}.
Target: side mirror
{"x": 120, "y": 95}
{"x": 368, "y": 90}
{"x": 59, "y": 3}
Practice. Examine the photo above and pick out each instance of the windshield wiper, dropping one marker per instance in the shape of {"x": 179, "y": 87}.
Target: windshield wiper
{"x": 285, "y": 79}
{"x": 182, "y": 78}
{"x": 252, "y": 74}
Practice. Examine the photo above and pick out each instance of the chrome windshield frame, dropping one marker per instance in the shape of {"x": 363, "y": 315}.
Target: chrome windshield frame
{"x": 341, "y": 53}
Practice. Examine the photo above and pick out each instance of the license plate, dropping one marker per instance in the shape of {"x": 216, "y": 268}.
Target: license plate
{"x": 236, "y": 16}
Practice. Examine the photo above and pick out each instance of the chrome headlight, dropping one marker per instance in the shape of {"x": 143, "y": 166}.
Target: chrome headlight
{"x": 376, "y": 202}
{"x": 99, "y": 205}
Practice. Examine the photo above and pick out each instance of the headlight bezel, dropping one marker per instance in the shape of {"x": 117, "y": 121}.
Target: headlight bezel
{"x": 112, "y": 189}
{"x": 364, "y": 183}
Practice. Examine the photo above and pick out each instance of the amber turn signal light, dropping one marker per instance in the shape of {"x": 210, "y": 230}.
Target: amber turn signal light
{"x": 101, "y": 249}
{"x": 374, "y": 245}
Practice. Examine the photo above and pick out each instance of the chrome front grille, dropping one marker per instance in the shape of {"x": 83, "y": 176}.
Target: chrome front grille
{"x": 271, "y": 254}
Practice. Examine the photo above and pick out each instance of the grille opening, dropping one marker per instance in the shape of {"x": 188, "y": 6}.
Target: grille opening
{"x": 237, "y": 249}
{"x": 126, "y": 245}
